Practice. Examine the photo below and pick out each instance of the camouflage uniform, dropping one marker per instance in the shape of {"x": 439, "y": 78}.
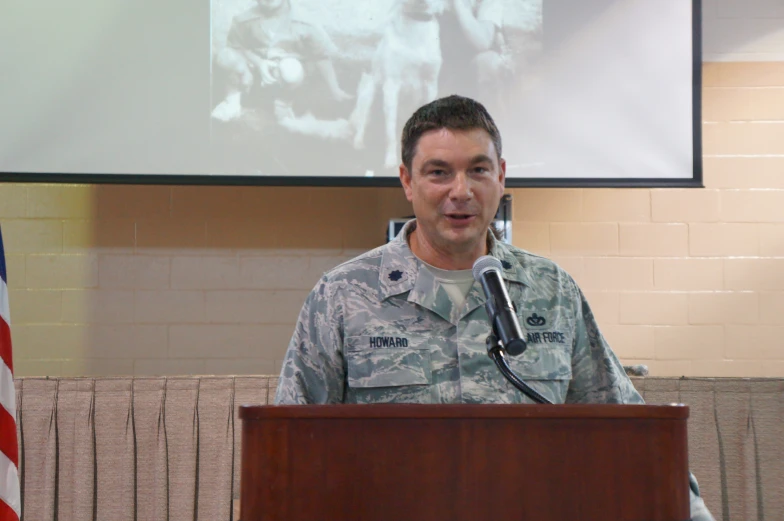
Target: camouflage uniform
{"x": 378, "y": 328}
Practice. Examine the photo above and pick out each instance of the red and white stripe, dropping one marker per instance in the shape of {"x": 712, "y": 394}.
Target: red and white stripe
{"x": 10, "y": 499}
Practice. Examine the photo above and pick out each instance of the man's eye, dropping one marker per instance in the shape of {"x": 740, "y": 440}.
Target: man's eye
{"x": 481, "y": 170}
{"x": 438, "y": 173}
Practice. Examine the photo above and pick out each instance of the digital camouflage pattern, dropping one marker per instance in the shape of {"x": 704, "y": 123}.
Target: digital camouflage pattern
{"x": 379, "y": 329}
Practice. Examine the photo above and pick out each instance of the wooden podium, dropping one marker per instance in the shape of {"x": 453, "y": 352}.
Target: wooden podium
{"x": 399, "y": 462}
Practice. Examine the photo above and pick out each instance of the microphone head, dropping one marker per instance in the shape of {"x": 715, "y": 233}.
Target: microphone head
{"x": 484, "y": 263}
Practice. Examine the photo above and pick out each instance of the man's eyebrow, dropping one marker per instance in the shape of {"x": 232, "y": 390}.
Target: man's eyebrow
{"x": 434, "y": 162}
{"x": 480, "y": 158}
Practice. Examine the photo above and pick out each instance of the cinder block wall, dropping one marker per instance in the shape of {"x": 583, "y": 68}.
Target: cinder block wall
{"x": 141, "y": 280}
{"x": 156, "y": 280}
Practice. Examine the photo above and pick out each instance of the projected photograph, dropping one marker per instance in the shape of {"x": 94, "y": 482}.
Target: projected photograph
{"x": 323, "y": 87}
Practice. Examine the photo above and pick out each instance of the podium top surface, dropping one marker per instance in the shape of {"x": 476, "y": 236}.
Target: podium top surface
{"x": 465, "y": 411}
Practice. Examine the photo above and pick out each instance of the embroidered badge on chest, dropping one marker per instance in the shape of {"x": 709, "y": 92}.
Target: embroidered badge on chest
{"x": 545, "y": 337}
{"x": 538, "y": 322}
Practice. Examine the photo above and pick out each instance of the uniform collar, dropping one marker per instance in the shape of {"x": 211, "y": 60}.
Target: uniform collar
{"x": 399, "y": 266}
{"x": 513, "y": 271}
{"x": 401, "y": 271}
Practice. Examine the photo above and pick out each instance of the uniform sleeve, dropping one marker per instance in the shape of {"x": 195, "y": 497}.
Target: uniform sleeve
{"x": 313, "y": 370}
{"x": 597, "y": 374}
{"x": 599, "y": 377}
{"x": 699, "y": 512}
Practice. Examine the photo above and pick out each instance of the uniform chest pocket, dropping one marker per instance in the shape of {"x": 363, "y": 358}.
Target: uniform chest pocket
{"x": 388, "y": 367}
{"x": 548, "y": 369}
{"x": 389, "y": 375}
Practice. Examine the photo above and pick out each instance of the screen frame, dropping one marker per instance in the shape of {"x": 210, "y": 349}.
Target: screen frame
{"x": 696, "y": 181}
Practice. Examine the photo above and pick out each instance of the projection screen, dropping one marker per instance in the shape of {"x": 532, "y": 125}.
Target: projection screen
{"x": 315, "y": 92}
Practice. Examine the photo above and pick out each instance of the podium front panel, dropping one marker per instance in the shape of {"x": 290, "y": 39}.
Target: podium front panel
{"x": 465, "y": 462}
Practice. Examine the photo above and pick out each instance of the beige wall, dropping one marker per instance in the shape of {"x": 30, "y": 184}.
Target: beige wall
{"x": 152, "y": 280}
{"x": 175, "y": 280}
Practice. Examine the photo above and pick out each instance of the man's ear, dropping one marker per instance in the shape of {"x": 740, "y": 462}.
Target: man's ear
{"x": 502, "y": 171}
{"x": 405, "y": 180}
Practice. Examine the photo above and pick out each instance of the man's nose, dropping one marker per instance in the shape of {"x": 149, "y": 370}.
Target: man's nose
{"x": 461, "y": 187}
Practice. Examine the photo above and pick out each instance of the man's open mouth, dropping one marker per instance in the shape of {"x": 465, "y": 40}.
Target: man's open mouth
{"x": 460, "y": 217}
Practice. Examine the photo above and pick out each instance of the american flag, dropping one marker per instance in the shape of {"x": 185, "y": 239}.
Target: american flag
{"x": 10, "y": 500}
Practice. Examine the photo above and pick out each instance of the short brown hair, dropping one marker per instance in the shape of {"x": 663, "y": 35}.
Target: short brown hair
{"x": 452, "y": 112}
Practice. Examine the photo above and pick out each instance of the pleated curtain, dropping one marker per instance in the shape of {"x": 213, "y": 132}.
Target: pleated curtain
{"x": 128, "y": 449}
{"x": 160, "y": 449}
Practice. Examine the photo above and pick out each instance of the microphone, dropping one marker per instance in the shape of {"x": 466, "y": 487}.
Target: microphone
{"x": 503, "y": 317}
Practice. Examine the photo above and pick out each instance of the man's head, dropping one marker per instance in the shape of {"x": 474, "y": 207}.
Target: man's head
{"x": 453, "y": 174}
{"x": 454, "y": 113}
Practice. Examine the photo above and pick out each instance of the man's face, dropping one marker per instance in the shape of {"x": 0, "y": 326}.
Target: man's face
{"x": 455, "y": 185}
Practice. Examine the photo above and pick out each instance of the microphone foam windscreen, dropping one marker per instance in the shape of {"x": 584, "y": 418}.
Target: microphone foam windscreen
{"x": 485, "y": 263}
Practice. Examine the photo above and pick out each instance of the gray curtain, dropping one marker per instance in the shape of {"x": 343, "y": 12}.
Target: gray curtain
{"x": 169, "y": 448}
{"x": 736, "y": 441}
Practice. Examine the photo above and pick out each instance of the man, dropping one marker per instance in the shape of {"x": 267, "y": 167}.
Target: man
{"x": 406, "y": 322}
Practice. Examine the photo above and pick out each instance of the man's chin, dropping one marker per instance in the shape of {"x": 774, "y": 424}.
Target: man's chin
{"x": 463, "y": 235}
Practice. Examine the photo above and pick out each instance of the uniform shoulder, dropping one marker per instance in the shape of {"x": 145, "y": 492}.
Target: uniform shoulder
{"x": 360, "y": 268}
{"x": 536, "y": 264}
